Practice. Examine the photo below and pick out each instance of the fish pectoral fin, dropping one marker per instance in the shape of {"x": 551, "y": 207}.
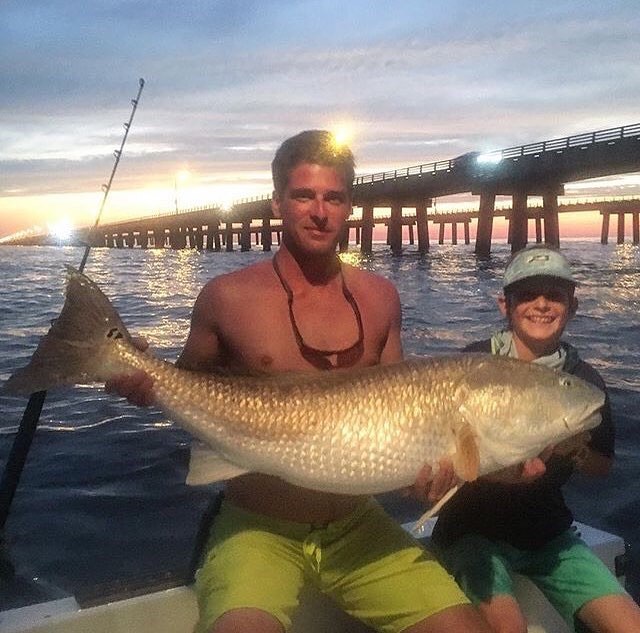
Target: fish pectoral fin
{"x": 466, "y": 460}
{"x": 206, "y": 467}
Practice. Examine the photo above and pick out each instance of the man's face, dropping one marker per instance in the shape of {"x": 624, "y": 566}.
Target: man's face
{"x": 313, "y": 206}
{"x": 539, "y": 309}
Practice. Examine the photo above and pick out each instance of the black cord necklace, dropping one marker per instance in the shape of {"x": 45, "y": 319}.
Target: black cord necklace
{"x": 319, "y": 358}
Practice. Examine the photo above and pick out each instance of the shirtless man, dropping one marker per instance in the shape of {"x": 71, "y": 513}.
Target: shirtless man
{"x": 305, "y": 311}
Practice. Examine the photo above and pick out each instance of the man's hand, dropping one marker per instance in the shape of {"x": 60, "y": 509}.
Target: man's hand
{"x": 136, "y": 387}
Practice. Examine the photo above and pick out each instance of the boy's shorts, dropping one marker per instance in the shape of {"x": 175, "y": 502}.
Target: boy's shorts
{"x": 366, "y": 562}
{"x": 567, "y": 572}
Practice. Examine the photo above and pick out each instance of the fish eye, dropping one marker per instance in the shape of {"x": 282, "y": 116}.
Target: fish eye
{"x": 565, "y": 381}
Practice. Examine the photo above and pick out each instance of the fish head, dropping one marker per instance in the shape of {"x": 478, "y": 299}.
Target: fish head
{"x": 516, "y": 409}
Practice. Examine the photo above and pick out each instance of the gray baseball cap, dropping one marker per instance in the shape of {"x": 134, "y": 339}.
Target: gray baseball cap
{"x": 537, "y": 261}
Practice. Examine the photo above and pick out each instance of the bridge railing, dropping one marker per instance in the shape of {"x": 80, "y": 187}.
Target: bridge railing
{"x": 553, "y": 145}
{"x": 262, "y": 198}
{"x": 167, "y": 214}
{"x": 415, "y": 170}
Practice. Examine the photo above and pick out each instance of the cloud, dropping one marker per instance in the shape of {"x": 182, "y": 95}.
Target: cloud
{"x": 228, "y": 80}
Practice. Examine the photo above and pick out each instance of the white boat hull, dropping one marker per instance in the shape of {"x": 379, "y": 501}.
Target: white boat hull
{"x": 175, "y": 610}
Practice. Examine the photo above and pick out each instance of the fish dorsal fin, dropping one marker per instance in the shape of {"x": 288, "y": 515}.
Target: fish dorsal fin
{"x": 206, "y": 466}
{"x": 466, "y": 459}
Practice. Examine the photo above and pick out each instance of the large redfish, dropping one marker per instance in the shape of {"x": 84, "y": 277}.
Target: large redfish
{"x": 368, "y": 430}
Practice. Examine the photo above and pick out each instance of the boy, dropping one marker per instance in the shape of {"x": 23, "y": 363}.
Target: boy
{"x": 491, "y": 528}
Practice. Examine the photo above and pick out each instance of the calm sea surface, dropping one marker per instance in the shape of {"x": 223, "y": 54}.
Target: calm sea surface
{"x": 103, "y": 498}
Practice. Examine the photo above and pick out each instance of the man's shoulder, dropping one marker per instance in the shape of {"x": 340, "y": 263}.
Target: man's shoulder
{"x": 242, "y": 279}
{"x": 367, "y": 279}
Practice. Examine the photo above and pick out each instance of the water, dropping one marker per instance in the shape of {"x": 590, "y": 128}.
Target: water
{"x": 102, "y": 497}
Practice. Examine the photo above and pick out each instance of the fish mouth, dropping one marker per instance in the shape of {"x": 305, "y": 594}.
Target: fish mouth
{"x": 588, "y": 418}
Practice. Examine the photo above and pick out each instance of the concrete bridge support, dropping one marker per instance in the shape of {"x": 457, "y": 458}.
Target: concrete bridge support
{"x": 422, "y": 225}
{"x": 395, "y": 228}
{"x": 485, "y": 223}
{"x": 343, "y": 239}
{"x": 604, "y": 231}
{"x": 519, "y": 221}
{"x": 621, "y": 228}
{"x": 538, "y": 221}
{"x": 177, "y": 238}
{"x": 366, "y": 245}
{"x": 621, "y": 232}
{"x": 158, "y": 237}
{"x": 266, "y": 237}
{"x": 245, "y": 236}
{"x": 228, "y": 236}
{"x": 213, "y": 236}
{"x": 551, "y": 224}
{"x": 198, "y": 238}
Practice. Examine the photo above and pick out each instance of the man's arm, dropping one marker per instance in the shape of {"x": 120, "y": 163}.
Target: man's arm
{"x": 392, "y": 350}
{"x": 201, "y": 350}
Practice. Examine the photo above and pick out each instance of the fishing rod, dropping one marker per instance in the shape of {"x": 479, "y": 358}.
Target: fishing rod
{"x": 31, "y": 416}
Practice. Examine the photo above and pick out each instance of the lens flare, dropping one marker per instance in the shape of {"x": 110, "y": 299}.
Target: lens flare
{"x": 61, "y": 230}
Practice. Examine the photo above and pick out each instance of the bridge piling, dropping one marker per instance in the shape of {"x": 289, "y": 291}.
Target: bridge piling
{"x": 518, "y": 224}
{"x": 366, "y": 245}
{"x": 228, "y": 236}
{"x": 267, "y": 238}
{"x": 485, "y": 223}
{"x": 245, "y": 236}
{"x": 550, "y": 214}
{"x": 422, "y": 225}
{"x": 621, "y": 227}
{"x": 636, "y": 226}
{"x": 343, "y": 239}
{"x": 395, "y": 228}
{"x": 604, "y": 231}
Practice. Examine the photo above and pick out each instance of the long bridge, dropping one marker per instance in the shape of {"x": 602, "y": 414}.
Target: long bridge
{"x": 538, "y": 169}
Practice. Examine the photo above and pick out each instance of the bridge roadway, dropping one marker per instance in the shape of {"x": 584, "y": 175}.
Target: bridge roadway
{"x": 212, "y": 229}
{"x": 536, "y": 169}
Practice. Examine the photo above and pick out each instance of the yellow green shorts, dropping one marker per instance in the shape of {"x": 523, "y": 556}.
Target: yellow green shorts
{"x": 366, "y": 562}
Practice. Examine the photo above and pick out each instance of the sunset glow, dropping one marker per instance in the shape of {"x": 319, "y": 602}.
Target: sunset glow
{"x": 402, "y": 88}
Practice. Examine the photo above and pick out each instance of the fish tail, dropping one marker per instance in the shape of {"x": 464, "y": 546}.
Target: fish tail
{"x": 75, "y": 350}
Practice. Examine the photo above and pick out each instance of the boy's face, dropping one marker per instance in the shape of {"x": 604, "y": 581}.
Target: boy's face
{"x": 538, "y": 310}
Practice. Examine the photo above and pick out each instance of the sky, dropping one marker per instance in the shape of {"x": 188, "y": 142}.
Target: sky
{"x": 228, "y": 80}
